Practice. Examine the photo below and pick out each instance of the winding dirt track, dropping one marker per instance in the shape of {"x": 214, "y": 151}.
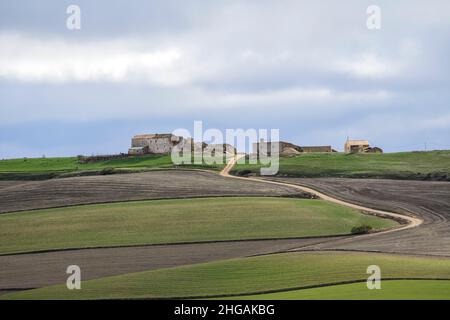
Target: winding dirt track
{"x": 424, "y": 205}
{"x": 409, "y": 222}
{"x": 428, "y": 201}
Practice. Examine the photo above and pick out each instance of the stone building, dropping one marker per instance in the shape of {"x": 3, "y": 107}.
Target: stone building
{"x": 138, "y": 151}
{"x": 154, "y": 143}
{"x": 286, "y": 148}
{"x": 317, "y": 149}
{"x": 164, "y": 144}
{"x": 356, "y": 146}
{"x": 360, "y": 146}
{"x": 374, "y": 150}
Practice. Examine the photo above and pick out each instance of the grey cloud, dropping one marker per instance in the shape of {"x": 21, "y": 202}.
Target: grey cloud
{"x": 310, "y": 68}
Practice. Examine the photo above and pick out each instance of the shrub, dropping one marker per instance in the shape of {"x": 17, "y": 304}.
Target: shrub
{"x": 107, "y": 171}
{"x": 244, "y": 173}
{"x": 361, "y": 229}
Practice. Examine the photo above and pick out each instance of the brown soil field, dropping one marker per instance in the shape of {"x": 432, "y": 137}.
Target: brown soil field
{"x": 429, "y": 201}
{"x": 6, "y": 184}
{"x": 36, "y": 270}
{"x": 17, "y": 196}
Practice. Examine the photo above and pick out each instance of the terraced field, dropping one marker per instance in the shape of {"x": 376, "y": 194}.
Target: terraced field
{"x": 428, "y": 200}
{"x": 178, "y": 221}
{"x": 36, "y": 270}
{"x": 391, "y": 290}
{"x": 263, "y": 274}
{"x": 201, "y": 269}
{"x": 15, "y": 195}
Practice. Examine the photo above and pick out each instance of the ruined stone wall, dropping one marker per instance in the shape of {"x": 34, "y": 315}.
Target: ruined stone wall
{"x": 316, "y": 149}
{"x": 158, "y": 145}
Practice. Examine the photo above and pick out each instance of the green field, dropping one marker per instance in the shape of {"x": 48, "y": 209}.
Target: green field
{"x": 45, "y": 168}
{"x": 175, "y": 221}
{"x": 433, "y": 165}
{"x": 254, "y": 275}
{"x": 390, "y": 290}
{"x": 72, "y": 164}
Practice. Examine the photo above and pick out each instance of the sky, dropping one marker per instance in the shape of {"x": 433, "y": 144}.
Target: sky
{"x": 312, "y": 69}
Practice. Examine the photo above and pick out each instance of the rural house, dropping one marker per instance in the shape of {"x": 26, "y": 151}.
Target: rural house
{"x": 164, "y": 143}
{"x": 360, "y": 146}
{"x": 154, "y": 143}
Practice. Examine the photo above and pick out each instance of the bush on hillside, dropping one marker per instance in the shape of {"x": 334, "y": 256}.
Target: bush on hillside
{"x": 361, "y": 229}
{"x": 244, "y": 173}
{"x": 107, "y": 171}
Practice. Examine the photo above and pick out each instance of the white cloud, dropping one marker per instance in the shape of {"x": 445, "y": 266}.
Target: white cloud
{"x": 302, "y": 98}
{"x": 369, "y": 66}
{"x": 27, "y": 59}
{"x": 179, "y": 65}
{"x": 240, "y": 54}
{"x": 268, "y": 62}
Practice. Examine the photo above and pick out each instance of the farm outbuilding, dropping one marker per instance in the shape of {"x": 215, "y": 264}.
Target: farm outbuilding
{"x": 360, "y": 146}
{"x": 138, "y": 151}
{"x": 316, "y": 149}
{"x": 287, "y": 148}
{"x": 356, "y": 146}
{"x": 374, "y": 150}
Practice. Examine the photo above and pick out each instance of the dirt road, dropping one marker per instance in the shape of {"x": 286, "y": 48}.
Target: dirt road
{"x": 409, "y": 221}
{"x": 425, "y": 206}
{"x": 428, "y": 201}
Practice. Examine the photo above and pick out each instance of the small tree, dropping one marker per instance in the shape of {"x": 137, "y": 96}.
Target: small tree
{"x": 244, "y": 172}
{"x": 362, "y": 229}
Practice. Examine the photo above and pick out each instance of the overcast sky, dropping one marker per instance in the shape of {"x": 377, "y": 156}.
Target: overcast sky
{"x": 309, "y": 68}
